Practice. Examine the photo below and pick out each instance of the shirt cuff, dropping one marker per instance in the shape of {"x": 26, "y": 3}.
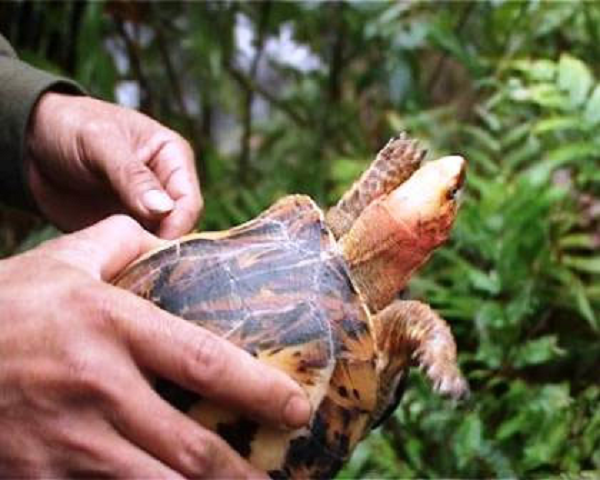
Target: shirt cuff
{"x": 21, "y": 86}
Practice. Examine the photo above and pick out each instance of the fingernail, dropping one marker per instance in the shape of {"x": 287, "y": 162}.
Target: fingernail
{"x": 297, "y": 411}
{"x": 157, "y": 201}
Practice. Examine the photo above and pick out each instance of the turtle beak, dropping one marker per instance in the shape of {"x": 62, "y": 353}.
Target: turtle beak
{"x": 454, "y": 169}
{"x": 431, "y": 193}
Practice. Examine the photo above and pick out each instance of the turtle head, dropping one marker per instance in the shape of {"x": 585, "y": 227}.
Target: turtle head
{"x": 396, "y": 233}
{"x": 427, "y": 203}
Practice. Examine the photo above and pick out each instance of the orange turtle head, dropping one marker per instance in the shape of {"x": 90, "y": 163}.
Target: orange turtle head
{"x": 396, "y": 233}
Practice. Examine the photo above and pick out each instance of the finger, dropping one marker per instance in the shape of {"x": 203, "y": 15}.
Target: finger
{"x": 167, "y": 434}
{"x": 128, "y": 461}
{"x": 180, "y": 221}
{"x": 183, "y": 218}
{"x": 203, "y": 362}
{"x": 175, "y": 168}
{"x": 135, "y": 183}
{"x": 106, "y": 248}
{"x": 89, "y": 446}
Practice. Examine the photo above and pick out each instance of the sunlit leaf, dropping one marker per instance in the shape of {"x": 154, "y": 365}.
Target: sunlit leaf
{"x": 583, "y": 263}
{"x": 559, "y": 124}
{"x": 575, "y": 78}
{"x": 578, "y": 240}
{"x": 548, "y": 96}
{"x": 538, "y": 70}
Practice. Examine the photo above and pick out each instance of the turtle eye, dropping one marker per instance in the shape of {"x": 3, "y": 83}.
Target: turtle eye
{"x": 454, "y": 193}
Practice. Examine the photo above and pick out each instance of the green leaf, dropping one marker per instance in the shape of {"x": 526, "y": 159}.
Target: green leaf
{"x": 575, "y": 78}
{"x": 528, "y": 151}
{"x": 548, "y": 96}
{"x": 481, "y": 158}
{"x": 485, "y": 282}
{"x": 566, "y": 154}
{"x": 585, "y": 307}
{"x": 515, "y": 135}
{"x": 537, "y": 70}
{"x": 579, "y": 240}
{"x": 469, "y": 438}
{"x": 482, "y": 137}
{"x": 511, "y": 427}
{"x": 557, "y": 124}
{"x": 538, "y": 351}
{"x": 552, "y": 398}
{"x": 592, "y": 108}
{"x": 491, "y": 119}
{"x": 552, "y": 16}
{"x": 547, "y": 445}
{"x": 583, "y": 263}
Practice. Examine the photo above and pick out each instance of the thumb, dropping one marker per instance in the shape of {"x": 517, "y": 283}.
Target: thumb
{"x": 104, "y": 249}
{"x": 139, "y": 188}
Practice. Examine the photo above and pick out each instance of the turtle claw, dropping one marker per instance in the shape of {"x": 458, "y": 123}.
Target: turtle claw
{"x": 451, "y": 384}
{"x": 410, "y": 333}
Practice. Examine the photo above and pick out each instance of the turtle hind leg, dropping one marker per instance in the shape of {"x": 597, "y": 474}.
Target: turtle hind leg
{"x": 394, "y": 163}
{"x": 410, "y": 333}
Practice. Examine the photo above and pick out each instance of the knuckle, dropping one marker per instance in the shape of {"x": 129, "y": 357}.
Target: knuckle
{"x": 181, "y": 144}
{"x": 86, "y": 373}
{"x": 83, "y": 295}
{"x": 89, "y": 366}
{"x": 197, "y": 454}
{"x": 168, "y": 135}
{"x": 94, "y": 305}
{"x": 206, "y": 362}
{"x": 96, "y": 128}
{"x": 187, "y": 148}
{"x": 135, "y": 173}
{"x": 77, "y": 442}
{"x": 96, "y": 377}
{"x": 84, "y": 451}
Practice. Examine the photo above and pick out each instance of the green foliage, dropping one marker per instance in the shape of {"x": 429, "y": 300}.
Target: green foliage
{"x": 512, "y": 86}
{"x": 518, "y": 281}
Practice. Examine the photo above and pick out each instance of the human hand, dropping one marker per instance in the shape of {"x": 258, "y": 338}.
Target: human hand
{"x": 75, "y": 399}
{"x": 88, "y": 159}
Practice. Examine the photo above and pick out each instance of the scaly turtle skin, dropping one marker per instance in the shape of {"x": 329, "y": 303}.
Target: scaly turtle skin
{"x": 314, "y": 295}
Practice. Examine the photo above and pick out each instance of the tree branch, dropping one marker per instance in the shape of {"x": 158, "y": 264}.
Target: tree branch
{"x": 147, "y": 101}
{"x": 190, "y": 125}
{"x": 245, "y": 150}
{"x": 441, "y": 63}
{"x": 282, "y": 105}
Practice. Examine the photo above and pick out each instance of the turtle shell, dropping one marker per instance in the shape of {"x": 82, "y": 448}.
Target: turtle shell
{"x": 277, "y": 286}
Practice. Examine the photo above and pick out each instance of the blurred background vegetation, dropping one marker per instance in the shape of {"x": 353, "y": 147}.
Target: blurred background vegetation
{"x": 297, "y": 97}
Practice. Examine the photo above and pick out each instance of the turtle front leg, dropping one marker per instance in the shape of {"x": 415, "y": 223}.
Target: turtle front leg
{"x": 409, "y": 333}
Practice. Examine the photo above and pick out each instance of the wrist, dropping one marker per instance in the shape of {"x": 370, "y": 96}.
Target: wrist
{"x": 44, "y": 147}
{"x": 36, "y": 139}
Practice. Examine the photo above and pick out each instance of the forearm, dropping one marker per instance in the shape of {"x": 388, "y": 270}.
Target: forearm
{"x": 20, "y": 88}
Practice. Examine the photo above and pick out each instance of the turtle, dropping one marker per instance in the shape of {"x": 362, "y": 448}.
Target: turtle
{"x": 317, "y": 294}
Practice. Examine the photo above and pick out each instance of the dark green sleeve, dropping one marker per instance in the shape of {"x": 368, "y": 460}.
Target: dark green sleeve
{"x": 21, "y": 86}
